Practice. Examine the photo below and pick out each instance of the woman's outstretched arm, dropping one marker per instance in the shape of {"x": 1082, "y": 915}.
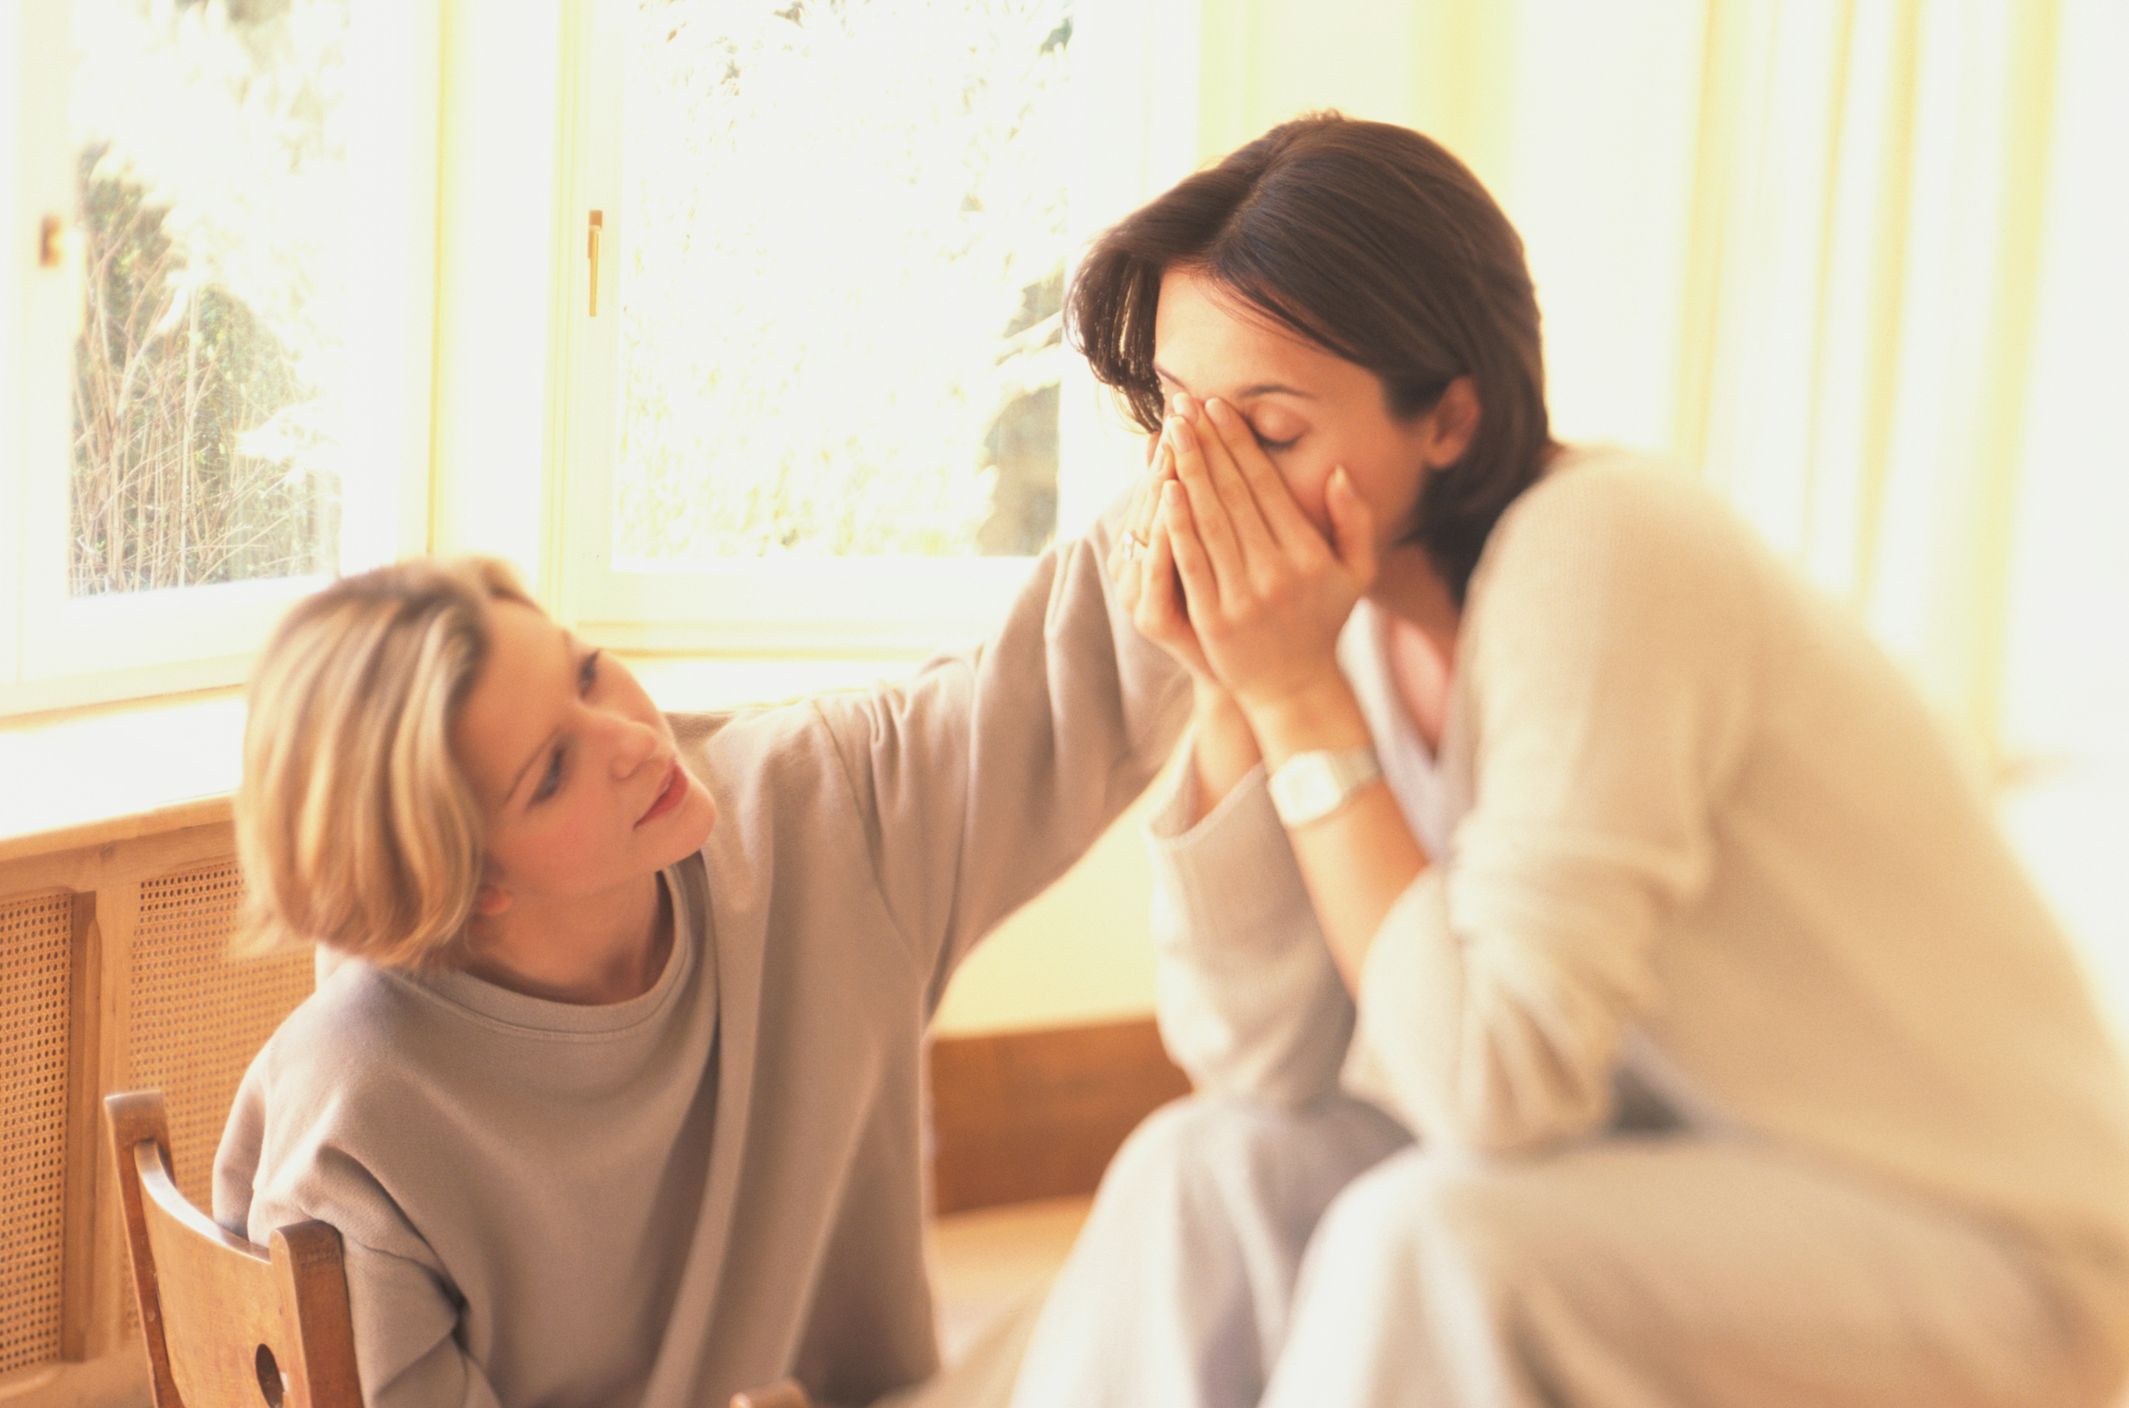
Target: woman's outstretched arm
{"x": 983, "y": 778}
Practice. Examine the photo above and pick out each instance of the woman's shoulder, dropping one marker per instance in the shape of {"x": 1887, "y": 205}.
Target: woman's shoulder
{"x": 346, "y": 1046}
{"x": 1616, "y": 497}
{"x": 1608, "y": 523}
{"x": 330, "y": 1103}
{"x": 1624, "y": 558}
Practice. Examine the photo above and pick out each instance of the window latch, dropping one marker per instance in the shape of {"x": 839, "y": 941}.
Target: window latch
{"x": 51, "y": 242}
{"x": 591, "y": 250}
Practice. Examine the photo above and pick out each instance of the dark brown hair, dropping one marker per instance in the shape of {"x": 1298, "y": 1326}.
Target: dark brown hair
{"x": 1374, "y": 243}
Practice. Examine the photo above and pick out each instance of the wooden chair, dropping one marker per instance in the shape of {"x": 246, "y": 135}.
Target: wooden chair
{"x": 227, "y": 1323}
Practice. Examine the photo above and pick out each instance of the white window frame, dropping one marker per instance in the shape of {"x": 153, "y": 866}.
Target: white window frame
{"x": 1135, "y": 83}
{"x": 59, "y": 651}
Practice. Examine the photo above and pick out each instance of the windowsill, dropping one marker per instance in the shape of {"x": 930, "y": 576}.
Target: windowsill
{"x": 112, "y": 772}
{"x": 64, "y": 788}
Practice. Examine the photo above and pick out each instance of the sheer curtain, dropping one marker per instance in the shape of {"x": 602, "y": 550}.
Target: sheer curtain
{"x": 1888, "y": 280}
{"x": 1905, "y": 355}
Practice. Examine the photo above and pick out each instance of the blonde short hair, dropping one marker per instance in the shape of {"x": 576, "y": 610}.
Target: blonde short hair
{"x": 356, "y": 827}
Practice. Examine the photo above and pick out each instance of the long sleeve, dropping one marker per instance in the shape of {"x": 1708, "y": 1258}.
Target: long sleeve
{"x": 985, "y": 776}
{"x": 406, "y": 1346}
{"x": 1246, "y": 996}
{"x": 408, "y": 1349}
{"x": 1608, "y": 660}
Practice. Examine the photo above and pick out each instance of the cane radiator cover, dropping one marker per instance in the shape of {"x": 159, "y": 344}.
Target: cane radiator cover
{"x": 195, "y": 1015}
{"x": 36, "y": 941}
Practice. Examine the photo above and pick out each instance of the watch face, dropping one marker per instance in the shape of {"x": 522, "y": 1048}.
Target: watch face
{"x": 1312, "y": 785}
{"x": 1315, "y": 789}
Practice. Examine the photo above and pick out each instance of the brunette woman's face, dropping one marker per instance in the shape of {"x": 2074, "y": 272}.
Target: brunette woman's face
{"x": 1311, "y": 410}
{"x": 575, "y": 768}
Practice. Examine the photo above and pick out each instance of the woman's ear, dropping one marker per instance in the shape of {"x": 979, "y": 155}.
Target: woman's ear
{"x": 1452, "y": 423}
{"x": 490, "y": 900}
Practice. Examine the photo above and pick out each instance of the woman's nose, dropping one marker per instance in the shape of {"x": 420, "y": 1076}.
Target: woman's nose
{"x": 634, "y": 744}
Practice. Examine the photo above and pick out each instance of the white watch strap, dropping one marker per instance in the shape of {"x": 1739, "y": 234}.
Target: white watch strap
{"x": 1310, "y": 786}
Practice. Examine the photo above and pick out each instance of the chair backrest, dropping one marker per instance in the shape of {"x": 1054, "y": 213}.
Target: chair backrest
{"x": 226, "y": 1324}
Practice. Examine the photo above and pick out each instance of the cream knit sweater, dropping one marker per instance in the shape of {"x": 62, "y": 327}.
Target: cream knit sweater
{"x": 1687, "y": 822}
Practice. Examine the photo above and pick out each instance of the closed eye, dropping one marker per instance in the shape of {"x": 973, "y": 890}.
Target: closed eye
{"x": 557, "y": 762}
{"x": 551, "y": 780}
{"x": 1274, "y": 446}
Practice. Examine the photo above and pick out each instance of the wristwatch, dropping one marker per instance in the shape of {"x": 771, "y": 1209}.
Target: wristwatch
{"x": 1310, "y": 786}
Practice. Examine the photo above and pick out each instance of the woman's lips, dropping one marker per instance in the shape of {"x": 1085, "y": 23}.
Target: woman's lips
{"x": 668, "y": 797}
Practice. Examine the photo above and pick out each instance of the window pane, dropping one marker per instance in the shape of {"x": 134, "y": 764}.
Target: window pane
{"x": 211, "y": 146}
{"x": 840, "y": 328}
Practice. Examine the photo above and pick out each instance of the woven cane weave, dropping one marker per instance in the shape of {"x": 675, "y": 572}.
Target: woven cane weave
{"x": 196, "y": 1015}
{"x": 36, "y": 936}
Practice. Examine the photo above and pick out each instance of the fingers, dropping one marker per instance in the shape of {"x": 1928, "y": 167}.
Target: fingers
{"x": 1160, "y": 467}
{"x": 1140, "y": 518}
{"x": 1152, "y": 593}
{"x": 1117, "y": 561}
{"x": 1255, "y": 549}
{"x": 1214, "y": 531}
{"x": 1160, "y": 602}
{"x": 1193, "y": 565}
{"x": 1283, "y": 520}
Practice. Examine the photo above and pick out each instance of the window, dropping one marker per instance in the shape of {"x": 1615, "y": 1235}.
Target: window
{"x": 301, "y": 249}
{"x": 820, "y": 395}
{"x": 225, "y": 310}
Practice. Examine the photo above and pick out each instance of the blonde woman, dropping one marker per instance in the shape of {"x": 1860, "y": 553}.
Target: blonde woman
{"x": 614, "y": 1094}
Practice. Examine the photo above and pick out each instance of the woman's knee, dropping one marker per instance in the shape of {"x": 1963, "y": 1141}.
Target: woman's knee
{"x": 1423, "y": 1217}
{"x": 1187, "y": 1139}
{"x": 1226, "y": 1150}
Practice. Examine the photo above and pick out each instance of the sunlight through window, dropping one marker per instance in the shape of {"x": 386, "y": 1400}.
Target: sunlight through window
{"x": 840, "y": 327}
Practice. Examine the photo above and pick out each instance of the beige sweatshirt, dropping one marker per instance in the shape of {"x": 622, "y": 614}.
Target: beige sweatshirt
{"x": 665, "y": 1200}
{"x": 1686, "y": 823}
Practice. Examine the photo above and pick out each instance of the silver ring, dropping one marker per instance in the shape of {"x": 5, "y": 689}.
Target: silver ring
{"x": 1133, "y": 546}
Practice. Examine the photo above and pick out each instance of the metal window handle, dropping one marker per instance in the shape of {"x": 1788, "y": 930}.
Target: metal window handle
{"x": 52, "y": 242}
{"x": 598, "y": 224}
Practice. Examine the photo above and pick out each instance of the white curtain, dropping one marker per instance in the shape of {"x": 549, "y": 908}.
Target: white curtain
{"x": 1879, "y": 183}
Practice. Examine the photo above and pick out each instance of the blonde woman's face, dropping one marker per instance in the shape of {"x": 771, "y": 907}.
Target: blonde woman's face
{"x": 576, "y": 769}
